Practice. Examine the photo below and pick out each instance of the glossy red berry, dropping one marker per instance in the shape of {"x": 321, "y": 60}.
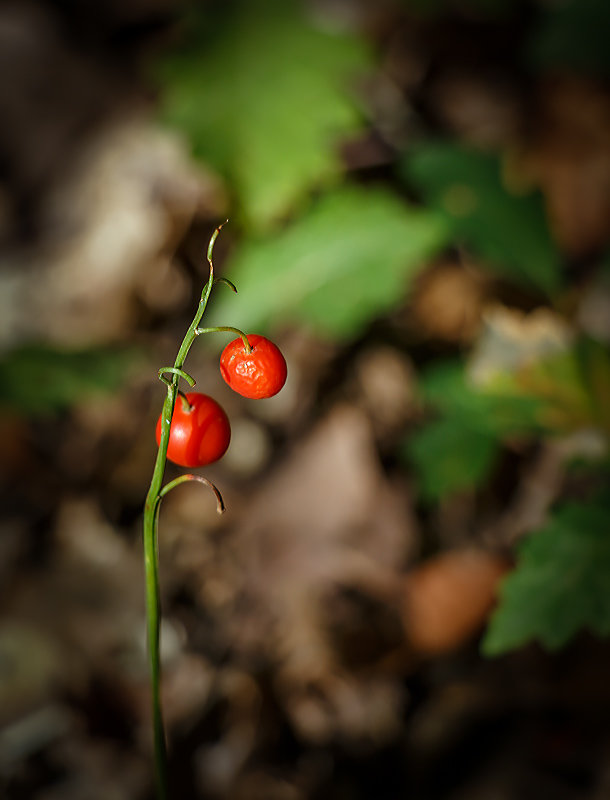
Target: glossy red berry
{"x": 257, "y": 374}
{"x": 199, "y": 435}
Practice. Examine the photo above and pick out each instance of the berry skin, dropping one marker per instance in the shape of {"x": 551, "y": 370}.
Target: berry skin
{"x": 258, "y": 374}
{"x": 199, "y": 435}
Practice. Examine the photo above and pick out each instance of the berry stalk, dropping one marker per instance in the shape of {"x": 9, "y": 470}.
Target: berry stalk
{"x": 150, "y": 531}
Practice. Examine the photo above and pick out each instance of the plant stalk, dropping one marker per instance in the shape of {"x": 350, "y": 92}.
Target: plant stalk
{"x": 150, "y": 538}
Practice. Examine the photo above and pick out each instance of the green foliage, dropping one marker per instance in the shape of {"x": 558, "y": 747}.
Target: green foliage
{"x": 265, "y": 97}
{"x": 333, "y": 269}
{"x": 574, "y": 35}
{"x": 508, "y": 230}
{"x": 560, "y": 583}
{"x": 594, "y": 372}
{"x": 448, "y": 388}
{"x": 571, "y": 387}
{"x": 457, "y": 451}
{"x": 561, "y": 393}
{"x": 451, "y": 455}
{"x": 38, "y": 379}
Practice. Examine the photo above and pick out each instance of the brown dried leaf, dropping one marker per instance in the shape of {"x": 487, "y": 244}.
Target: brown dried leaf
{"x": 570, "y": 160}
{"x": 448, "y": 302}
{"x": 480, "y": 109}
{"x": 319, "y": 555}
{"x": 448, "y": 598}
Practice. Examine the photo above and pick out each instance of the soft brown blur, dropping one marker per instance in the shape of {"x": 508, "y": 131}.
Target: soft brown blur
{"x": 319, "y": 639}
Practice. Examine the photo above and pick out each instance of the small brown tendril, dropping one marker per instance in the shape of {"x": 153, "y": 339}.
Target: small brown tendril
{"x": 220, "y": 506}
{"x": 213, "y": 238}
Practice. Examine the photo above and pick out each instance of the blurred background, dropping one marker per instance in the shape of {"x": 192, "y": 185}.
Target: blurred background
{"x": 408, "y": 594}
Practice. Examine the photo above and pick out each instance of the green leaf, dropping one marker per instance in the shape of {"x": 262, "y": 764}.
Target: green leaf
{"x": 508, "y": 230}
{"x": 458, "y": 450}
{"x": 349, "y": 259}
{"x": 568, "y": 389}
{"x": 265, "y": 97}
{"x": 560, "y": 583}
{"x": 594, "y": 360}
{"x": 448, "y": 388}
{"x": 37, "y": 379}
{"x": 558, "y": 393}
{"x": 451, "y": 456}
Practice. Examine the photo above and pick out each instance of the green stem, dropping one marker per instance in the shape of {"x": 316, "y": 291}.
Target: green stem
{"x": 150, "y": 536}
{"x": 218, "y": 328}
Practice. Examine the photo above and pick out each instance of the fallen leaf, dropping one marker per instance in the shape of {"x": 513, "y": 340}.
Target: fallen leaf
{"x": 448, "y": 598}
{"x": 570, "y": 160}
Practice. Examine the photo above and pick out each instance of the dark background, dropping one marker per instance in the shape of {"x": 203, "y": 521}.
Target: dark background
{"x": 321, "y": 639}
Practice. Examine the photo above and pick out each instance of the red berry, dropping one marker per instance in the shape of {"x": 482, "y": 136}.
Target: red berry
{"x": 257, "y": 374}
{"x": 199, "y": 435}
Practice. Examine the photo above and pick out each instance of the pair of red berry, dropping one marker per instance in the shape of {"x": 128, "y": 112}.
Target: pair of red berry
{"x": 200, "y": 431}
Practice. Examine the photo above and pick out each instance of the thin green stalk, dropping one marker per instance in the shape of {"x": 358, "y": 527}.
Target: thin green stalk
{"x": 150, "y": 534}
{"x": 229, "y": 329}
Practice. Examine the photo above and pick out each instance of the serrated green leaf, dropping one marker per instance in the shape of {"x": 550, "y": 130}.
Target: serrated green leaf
{"x": 349, "y": 259}
{"x": 451, "y": 456}
{"x": 560, "y": 583}
{"x": 38, "y": 379}
{"x": 264, "y": 97}
{"x": 508, "y": 230}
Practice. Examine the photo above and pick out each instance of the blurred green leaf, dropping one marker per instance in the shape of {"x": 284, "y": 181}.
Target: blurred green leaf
{"x": 349, "y": 259}
{"x": 508, "y": 230}
{"x": 594, "y": 360}
{"x": 448, "y": 388}
{"x": 573, "y": 35}
{"x": 457, "y": 451}
{"x": 265, "y": 97}
{"x": 554, "y": 394}
{"x": 450, "y": 455}
{"x": 570, "y": 388}
{"x": 560, "y": 583}
{"x": 564, "y": 403}
{"x": 38, "y": 379}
